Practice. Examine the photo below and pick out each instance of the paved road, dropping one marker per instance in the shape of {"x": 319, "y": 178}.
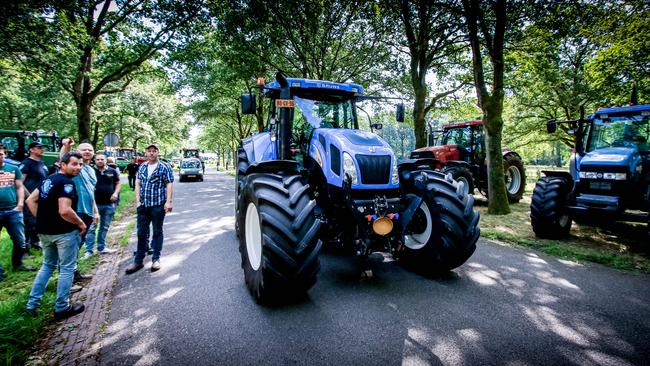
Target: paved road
{"x": 505, "y": 306}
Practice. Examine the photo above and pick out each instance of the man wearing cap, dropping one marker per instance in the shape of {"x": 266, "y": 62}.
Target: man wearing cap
{"x": 153, "y": 198}
{"x": 34, "y": 173}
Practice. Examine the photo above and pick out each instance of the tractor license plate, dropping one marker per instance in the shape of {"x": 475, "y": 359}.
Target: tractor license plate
{"x": 191, "y": 176}
{"x": 606, "y": 186}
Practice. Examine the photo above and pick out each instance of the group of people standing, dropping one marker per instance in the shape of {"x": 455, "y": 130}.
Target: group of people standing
{"x": 65, "y": 209}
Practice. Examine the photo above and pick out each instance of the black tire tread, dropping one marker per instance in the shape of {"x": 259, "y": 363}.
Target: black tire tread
{"x": 546, "y": 204}
{"x": 514, "y": 160}
{"x": 290, "y": 252}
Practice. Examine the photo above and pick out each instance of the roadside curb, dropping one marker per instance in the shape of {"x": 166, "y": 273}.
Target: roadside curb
{"x": 78, "y": 339}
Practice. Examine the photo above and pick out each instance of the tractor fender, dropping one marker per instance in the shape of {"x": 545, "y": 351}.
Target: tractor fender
{"x": 458, "y": 163}
{"x": 409, "y": 165}
{"x": 560, "y": 174}
{"x": 505, "y": 152}
{"x": 273, "y": 166}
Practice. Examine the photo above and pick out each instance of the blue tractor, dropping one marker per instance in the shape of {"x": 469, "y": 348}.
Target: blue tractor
{"x": 314, "y": 177}
{"x": 609, "y": 176}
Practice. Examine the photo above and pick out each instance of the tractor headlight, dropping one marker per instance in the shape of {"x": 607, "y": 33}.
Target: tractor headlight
{"x": 349, "y": 169}
{"x": 395, "y": 177}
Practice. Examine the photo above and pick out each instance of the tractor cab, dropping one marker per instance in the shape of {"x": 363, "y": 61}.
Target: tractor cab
{"x": 17, "y": 142}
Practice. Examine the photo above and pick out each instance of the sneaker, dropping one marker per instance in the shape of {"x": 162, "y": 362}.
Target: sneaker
{"x": 25, "y": 268}
{"x": 72, "y": 310}
{"x": 75, "y": 288}
{"x": 87, "y": 255}
{"x": 155, "y": 265}
{"x": 108, "y": 251}
{"x": 79, "y": 277}
{"x": 134, "y": 268}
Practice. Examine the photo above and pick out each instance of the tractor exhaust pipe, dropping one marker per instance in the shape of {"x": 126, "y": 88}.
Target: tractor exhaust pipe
{"x": 286, "y": 119}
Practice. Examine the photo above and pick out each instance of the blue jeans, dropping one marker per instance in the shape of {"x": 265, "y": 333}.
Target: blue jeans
{"x": 154, "y": 215}
{"x": 12, "y": 220}
{"x": 106, "y": 213}
{"x": 58, "y": 250}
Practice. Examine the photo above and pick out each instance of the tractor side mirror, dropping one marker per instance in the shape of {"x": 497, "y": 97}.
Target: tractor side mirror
{"x": 399, "y": 113}
{"x": 248, "y": 103}
{"x": 551, "y": 126}
{"x": 376, "y": 126}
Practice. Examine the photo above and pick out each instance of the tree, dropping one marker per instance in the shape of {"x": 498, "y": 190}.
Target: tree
{"x": 101, "y": 44}
{"x": 432, "y": 40}
{"x": 486, "y": 23}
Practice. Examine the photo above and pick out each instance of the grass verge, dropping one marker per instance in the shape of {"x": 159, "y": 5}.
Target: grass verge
{"x": 18, "y": 333}
{"x": 618, "y": 245}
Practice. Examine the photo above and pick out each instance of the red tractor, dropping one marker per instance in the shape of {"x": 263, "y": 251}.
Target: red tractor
{"x": 461, "y": 152}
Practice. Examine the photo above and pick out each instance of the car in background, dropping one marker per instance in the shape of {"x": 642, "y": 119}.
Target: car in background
{"x": 190, "y": 168}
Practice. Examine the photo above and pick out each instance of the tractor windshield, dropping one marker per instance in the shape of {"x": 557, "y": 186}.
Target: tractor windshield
{"x": 619, "y": 131}
{"x": 326, "y": 114}
{"x": 457, "y": 136}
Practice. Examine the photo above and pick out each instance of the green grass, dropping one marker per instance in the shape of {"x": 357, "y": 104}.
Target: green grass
{"x": 18, "y": 333}
{"x": 618, "y": 245}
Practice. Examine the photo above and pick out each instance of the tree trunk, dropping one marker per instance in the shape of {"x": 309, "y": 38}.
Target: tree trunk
{"x": 498, "y": 199}
{"x": 95, "y": 139}
{"x": 83, "y": 118}
{"x": 419, "y": 115}
{"x": 260, "y": 115}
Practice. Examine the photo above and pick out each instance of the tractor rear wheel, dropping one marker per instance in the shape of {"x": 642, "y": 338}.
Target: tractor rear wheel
{"x": 242, "y": 165}
{"x": 279, "y": 241}
{"x": 443, "y": 232}
{"x": 515, "y": 175}
{"x": 462, "y": 174}
{"x": 548, "y": 214}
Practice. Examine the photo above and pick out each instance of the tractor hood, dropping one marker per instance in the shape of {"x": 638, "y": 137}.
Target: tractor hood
{"x": 373, "y": 157}
{"x": 610, "y": 156}
{"x": 442, "y": 153}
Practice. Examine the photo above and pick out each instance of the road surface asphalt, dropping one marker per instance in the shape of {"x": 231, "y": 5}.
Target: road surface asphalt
{"x": 505, "y": 306}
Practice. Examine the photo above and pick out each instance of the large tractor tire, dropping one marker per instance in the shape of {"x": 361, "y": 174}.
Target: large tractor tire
{"x": 242, "y": 165}
{"x": 443, "y": 232}
{"x": 279, "y": 241}
{"x": 515, "y": 175}
{"x": 548, "y": 214}
{"x": 462, "y": 174}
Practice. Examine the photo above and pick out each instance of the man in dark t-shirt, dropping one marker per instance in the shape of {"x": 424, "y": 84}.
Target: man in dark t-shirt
{"x": 34, "y": 173}
{"x": 132, "y": 170}
{"x": 59, "y": 228}
{"x": 107, "y": 192}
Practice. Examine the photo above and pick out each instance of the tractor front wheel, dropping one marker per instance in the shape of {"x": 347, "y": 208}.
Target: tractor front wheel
{"x": 279, "y": 242}
{"x": 242, "y": 165}
{"x": 548, "y": 214}
{"x": 443, "y": 232}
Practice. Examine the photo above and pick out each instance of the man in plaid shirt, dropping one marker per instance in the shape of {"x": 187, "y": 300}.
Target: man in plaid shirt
{"x": 153, "y": 198}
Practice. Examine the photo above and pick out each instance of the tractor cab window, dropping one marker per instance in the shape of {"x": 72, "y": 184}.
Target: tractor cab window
{"x": 190, "y": 164}
{"x": 619, "y": 131}
{"x": 461, "y": 136}
{"x": 10, "y": 142}
{"x": 325, "y": 114}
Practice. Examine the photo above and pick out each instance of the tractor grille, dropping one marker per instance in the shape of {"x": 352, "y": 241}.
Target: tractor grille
{"x": 375, "y": 169}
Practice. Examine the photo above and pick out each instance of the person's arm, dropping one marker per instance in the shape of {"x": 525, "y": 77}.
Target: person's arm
{"x": 116, "y": 193}
{"x": 169, "y": 189}
{"x": 95, "y": 213}
{"x": 66, "y": 146}
{"x": 170, "y": 192}
{"x": 68, "y": 214}
{"x": 20, "y": 195}
{"x": 137, "y": 192}
{"x": 32, "y": 202}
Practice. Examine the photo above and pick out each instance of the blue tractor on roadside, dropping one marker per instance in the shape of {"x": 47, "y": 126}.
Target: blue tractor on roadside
{"x": 314, "y": 177}
{"x": 609, "y": 176}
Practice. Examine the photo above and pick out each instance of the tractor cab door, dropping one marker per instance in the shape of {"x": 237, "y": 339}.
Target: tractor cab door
{"x": 477, "y": 152}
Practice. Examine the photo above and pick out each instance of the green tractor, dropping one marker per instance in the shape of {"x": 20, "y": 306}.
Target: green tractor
{"x": 17, "y": 142}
